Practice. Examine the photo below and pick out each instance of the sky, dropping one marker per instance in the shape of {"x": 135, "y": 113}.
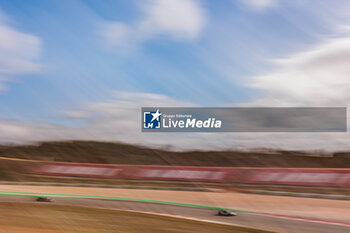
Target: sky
{"x": 82, "y": 69}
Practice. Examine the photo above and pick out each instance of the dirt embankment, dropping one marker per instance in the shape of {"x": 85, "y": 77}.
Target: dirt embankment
{"x": 40, "y": 218}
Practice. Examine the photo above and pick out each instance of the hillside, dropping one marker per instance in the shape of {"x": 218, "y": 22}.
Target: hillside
{"x": 117, "y": 153}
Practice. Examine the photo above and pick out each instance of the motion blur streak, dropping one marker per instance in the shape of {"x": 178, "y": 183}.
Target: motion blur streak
{"x": 75, "y": 76}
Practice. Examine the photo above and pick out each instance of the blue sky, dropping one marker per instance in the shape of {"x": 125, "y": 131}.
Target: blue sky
{"x": 204, "y": 53}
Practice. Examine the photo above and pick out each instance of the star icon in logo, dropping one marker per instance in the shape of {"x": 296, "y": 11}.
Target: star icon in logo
{"x": 156, "y": 115}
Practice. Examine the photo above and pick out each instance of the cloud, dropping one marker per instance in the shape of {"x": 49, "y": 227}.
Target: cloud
{"x": 116, "y": 119}
{"x": 119, "y": 119}
{"x": 11, "y": 130}
{"x": 180, "y": 19}
{"x": 318, "y": 76}
{"x": 259, "y": 4}
{"x": 76, "y": 114}
{"x": 18, "y": 53}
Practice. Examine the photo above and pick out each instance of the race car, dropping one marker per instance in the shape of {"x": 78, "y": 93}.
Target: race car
{"x": 43, "y": 199}
{"x": 226, "y": 213}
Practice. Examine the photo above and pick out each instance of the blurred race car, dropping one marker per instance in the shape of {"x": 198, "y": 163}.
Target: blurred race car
{"x": 43, "y": 199}
{"x": 226, "y": 213}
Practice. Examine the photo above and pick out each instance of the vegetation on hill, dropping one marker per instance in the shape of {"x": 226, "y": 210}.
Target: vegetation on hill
{"x": 117, "y": 153}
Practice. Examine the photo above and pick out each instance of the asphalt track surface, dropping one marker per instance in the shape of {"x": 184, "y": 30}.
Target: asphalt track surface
{"x": 253, "y": 220}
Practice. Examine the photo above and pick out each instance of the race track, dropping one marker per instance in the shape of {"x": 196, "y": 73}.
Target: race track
{"x": 258, "y": 221}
